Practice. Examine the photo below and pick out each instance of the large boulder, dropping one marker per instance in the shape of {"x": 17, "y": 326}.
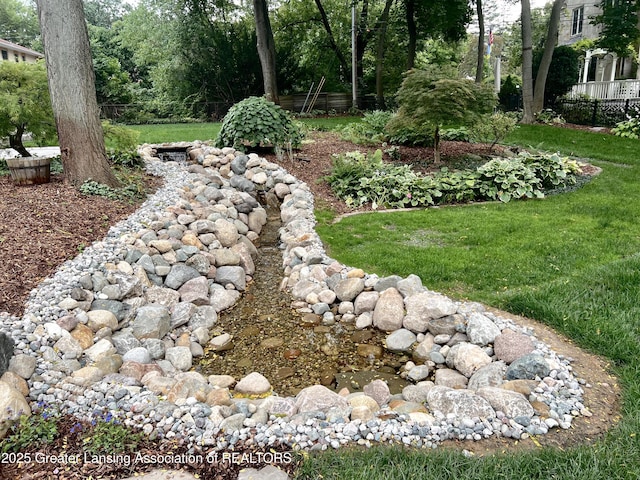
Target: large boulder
{"x": 389, "y": 310}
{"x": 12, "y": 406}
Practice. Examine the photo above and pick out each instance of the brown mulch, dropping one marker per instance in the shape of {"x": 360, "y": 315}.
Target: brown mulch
{"x": 42, "y": 226}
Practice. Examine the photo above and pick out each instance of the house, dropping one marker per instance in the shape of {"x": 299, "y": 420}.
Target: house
{"x": 11, "y": 52}
{"x": 603, "y": 75}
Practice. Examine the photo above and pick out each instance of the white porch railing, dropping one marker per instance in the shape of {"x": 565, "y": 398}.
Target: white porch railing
{"x": 615, "y": 90}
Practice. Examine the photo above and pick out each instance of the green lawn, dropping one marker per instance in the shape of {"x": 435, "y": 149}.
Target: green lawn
{"x": 571, "y": 261}
{"x": 188, "y": 132}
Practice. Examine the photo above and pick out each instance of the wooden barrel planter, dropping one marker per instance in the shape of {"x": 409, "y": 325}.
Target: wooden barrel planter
{"x": 29, "y": 170}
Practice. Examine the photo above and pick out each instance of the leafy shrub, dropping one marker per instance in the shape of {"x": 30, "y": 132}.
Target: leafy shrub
{"x": 506, "y": 179}
{"x": 110, "y": 436}
{"x": 509, "y": 93}
{"x": 460, "y": 134}
{"x": 494, "y": 128}
{"x": 257, "y": 122}
{"x": 402, "y": 131}
{"x": 552, "y": 169}
{"x": 368, "y": 131}
{"x": 457, "y": 186}
{"x": 549, "y": 117}
{"x": 630, "y": 128}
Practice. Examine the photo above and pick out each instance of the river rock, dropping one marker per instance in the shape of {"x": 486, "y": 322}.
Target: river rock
{"x": 226, "y": 232}
{"x": 253, "y": 384}
{"x": 512, "y": 404}
{"x": 195, "y": 291}
{"x": 319, "y": 398}
{"x": 137, "y": 354}
{"x": 510, "y": 346}
{"x": 6, "y": 351}
{"x": 480, "y": 329}
{"x": 491, "y": 375}
{"x": 348, "y": 289}
{"x": 151, "y": 321}
{"x": 102, "y": 318}
{"x": 379, "y": 391}
{"x": 528, "y": 367}
{"x": 467, "y": 358}
{"x": 22, "y": 365}
{"x": 389, "y": 311}
{"x": 179, "y": 275}
{"x": 12, "y": 406}
{"x": 400, "y": 341}
{"x": 445, "y": 377}
{"x": 99, "y": 349}
{"x": 461, "y": 403}
{"x": 411, "y": 285}
{"x": 231, "y": 275}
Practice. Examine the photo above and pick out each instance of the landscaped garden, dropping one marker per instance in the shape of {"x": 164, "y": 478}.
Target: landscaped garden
{"x": 568, "y": 260}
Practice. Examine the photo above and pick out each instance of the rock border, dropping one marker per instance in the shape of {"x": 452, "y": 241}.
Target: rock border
{"x": 117, "y": 329}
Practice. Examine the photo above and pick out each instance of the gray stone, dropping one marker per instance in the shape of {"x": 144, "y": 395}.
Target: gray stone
{"x": 387, "y": 282}
{"x": 162, "y": 296}
{"x": 244, "y": 254}
{"x": 152, "y": 321}
{"x": 419, "y": 373}
{"x": 231, "y": 275}
{"x": 257, "y": 219}
{"x": 233, "y": 423}
{"x": 69, "y": 347}
{"x": 528, "y": 367}
{"x": 348, "y": 289}
{"x": 480, "y": 329}
{"x": 205, "y": 316}
{"x": 269, "y": 472}
{"x": 512, "y": 404}
{"x": 241, "y": 183}
{"x": 417, "y": 393}
{"x": 179, "y": 275}
{"x": 461, "y": 403}
{"x": 200, "y": 263}
{"x": 180, "y": 357}
{"x": 22, "y": 365}
{"x": 137, "y": 354}
{"x": 202, "y": 226}
{"x": 410, "y": 285}
{"x": 389, "y": 310}
{"x": 282, "y": 406}
{"x": 100, "y": 349}
{"x": 116, "y": 307}
{"x": 182, "y": 313}
{"x": 400, "y": 341}
{"x": 448, "y": 325}
{"x": 491, "y": 375}
{"x": 155, "y": 347}
{"x": 6, "y": 351}
{"x": 239, "y": 164}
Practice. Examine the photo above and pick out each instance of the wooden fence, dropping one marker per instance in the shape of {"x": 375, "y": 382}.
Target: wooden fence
{"x": 339, "y": 102}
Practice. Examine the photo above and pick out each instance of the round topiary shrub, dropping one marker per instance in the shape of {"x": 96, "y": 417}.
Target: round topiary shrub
{"x": 257, "y": 122}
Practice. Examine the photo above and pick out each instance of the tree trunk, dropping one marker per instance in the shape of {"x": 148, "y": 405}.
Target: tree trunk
{"x": 332, "y": 41}
{"x": 73, "y": 94}
{"x": 527, "y": 64}
{"x": 266, "y": 49}
{"x": 15, "y": 142}
{"x": 412, "y": 29}
{"x": 547, "y": 55}
{"x": 362, "y": 40}
{"x": 382, "y": 33}
{"x": 436, "y": 146}
{"x": 480, "y": 61}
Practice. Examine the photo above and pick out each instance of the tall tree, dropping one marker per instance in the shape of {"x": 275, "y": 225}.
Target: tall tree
{"x": 18, "y": 23}
{"x": 266, "y": 49}
{"x": 620, "y": 22}
{"x": 382, "y": 34}
{"x": 547, "y": 54}
{"x": 72, "y": 90}
{"x": 480, "y": 58}
{"x": 527, "y": 64}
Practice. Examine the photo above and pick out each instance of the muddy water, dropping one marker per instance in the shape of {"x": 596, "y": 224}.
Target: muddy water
{"x": 271, "y": 338}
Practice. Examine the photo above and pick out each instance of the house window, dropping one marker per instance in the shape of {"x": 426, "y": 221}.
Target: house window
{"x": 5, "y": 55}
{"x": 16, "y": 57}
{"x": 24, "y": 59}
{"x": 578, "y": 16}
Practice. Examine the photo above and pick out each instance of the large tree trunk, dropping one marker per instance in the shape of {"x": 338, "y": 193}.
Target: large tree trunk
{"x": 362, "y": 40}
{"x": 266, "y": 49}
{"x": 73, "y": 93}
{"x": 547, "y": 55}
{"x": 332, "y": 41}
{"x": 382, "y": 33}
{"x": 480, "y": 60}
{"x": 412, "y": 29}
{"x": 527, "y": 64}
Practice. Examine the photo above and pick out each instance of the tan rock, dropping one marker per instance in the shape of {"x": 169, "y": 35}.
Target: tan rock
{"x": 84, "y": 336}
{"x": 16, "y": 381}
{"x": 219, "y": 396}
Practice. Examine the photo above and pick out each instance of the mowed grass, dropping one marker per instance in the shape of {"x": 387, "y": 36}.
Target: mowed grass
{"x": 571, "y": 261}
{"x": 188, "y": 132}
